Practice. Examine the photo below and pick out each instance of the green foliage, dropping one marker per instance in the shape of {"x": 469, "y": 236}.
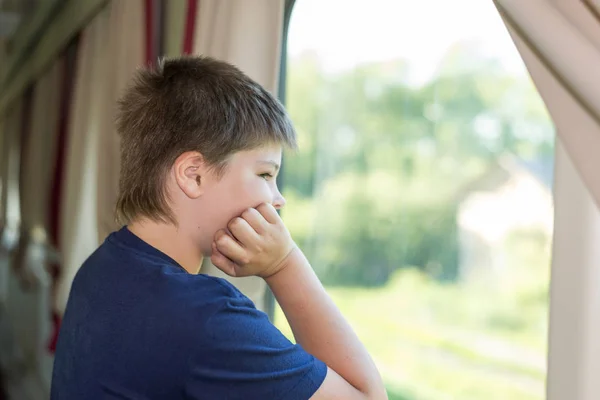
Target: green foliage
{"x": 360, "y": 240}
{"x": 372, "y": 198}
{"x": 435, "y": 341}
{"x": 375, "y": 184}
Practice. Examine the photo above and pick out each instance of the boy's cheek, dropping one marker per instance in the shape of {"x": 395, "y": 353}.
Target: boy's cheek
{"x": 237, "y": 200}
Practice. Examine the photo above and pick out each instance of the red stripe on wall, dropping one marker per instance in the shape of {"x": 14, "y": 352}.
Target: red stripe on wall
{"x": 66, "y": 93}
{"x": 60, "y": 155}
{"x": 66, "y": 96}
{"x": 190, "y": 27}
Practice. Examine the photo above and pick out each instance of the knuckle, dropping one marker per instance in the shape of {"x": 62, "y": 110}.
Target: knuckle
{"x": 222, "y": 241}
{"x": 247, "y": 214}
{"x": 233, "y": 223}
{"x": 244, "y": 260}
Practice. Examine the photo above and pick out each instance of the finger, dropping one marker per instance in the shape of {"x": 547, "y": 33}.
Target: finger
{"x": 255, "y": 220}
{"x": 222, "y": 262}
{"x": 268, "y": 212}
{"x": 243, "y": 232}
{"x": 230, "y": 248}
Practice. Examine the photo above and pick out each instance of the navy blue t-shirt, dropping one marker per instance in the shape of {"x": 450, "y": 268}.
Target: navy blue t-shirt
{"x": 138, "y": 326}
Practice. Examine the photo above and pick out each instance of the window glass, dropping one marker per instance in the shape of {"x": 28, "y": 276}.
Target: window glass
{"x": 422, "y": 191}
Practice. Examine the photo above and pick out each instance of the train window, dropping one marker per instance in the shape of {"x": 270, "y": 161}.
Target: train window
{"x": 422, "y": 191}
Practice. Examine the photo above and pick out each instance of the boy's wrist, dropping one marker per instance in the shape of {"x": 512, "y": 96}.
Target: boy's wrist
{"x": 291, "y": 262}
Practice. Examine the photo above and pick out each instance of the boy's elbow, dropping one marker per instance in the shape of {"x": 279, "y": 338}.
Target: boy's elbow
{"x": 377, "y": 393}
{"x": 336, "y": 387}
{"x": 374, "y": 390}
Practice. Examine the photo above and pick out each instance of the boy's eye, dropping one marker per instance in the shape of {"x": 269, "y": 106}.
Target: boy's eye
{"x": 266, "y": 176}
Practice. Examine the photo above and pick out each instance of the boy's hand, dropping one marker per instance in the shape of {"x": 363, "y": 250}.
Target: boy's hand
{"x": 258, "y": 245}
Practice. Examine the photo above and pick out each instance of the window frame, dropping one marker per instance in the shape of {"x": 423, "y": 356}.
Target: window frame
{"x": 269, "y": 298}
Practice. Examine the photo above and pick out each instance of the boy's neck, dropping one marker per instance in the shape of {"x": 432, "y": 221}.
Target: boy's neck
{"x": 170, "y": 240}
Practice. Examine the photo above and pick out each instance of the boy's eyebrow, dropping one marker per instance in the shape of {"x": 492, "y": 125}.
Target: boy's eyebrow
{"x": 269, "y": 163}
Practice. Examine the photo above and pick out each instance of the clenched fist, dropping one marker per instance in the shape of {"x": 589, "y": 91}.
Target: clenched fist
{"x": 259, "y": 244}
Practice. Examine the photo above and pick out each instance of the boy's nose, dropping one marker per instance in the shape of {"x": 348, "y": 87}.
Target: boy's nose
{"x": 278, "y": 201}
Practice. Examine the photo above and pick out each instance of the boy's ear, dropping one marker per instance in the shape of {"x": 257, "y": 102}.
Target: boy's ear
{"x": 188, "y": 169}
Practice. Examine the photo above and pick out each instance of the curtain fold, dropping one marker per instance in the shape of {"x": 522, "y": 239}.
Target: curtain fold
{"x": 78, "y": 228}
{"x": 574, "y": 326}
{"x": 559, "y": 41}
{"x": 38, "y": 153}
{"x": 10, "y": 217}
{"x": 41, "y": 151}
{"x": 560, "y": 44}
{"x": 28, "y": 287}
{"x": 247, "y": 34}
{"x": 10, "y": 192}
{"x": 9, "y": 201}
{"x": 64, "y": 97}
{"x": 23, "y": 141}
{"x": 111, "y": 48}
{"x": 7, "y": 128}
{"x": 4, "y": 140}
{"x": 126, "y": 44}
{"x": 594, "y": 7}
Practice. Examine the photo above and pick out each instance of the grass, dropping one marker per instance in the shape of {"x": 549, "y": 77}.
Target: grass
{"x": 436, "y": 342}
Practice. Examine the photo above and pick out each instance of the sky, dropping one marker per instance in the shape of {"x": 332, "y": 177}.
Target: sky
{"x": 347, "y": 32}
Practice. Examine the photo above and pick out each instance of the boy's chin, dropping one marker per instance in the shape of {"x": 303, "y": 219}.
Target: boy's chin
{"x": 206, "y": 249}
{"x": 206, "y": 252}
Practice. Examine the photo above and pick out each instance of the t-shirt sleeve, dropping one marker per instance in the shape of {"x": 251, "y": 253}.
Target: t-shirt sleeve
{"x": 243, "y": 356}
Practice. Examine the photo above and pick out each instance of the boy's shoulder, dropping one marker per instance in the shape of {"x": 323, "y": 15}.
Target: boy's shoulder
{"x": 119, "y": 267}
{"x": 130, "y": 281}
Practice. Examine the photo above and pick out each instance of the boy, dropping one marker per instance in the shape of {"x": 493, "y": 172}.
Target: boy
{"x": 201, "y": 149}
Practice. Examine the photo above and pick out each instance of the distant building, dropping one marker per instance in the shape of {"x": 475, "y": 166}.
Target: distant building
{"x": 512, "y": 195}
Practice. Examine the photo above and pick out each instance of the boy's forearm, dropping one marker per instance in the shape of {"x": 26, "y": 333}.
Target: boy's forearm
{"x": 319, "y": 326}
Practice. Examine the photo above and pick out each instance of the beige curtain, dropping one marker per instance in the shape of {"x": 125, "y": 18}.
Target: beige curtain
{"x": 8, "y": 240}
{"x": 9, "y": 200}
{"x": 78, "y": 227}
{"x": 559, "y": 41}
{"x": 10, "y": 193}
{"x": 595, "y": 4}
{"x": 247, "y": 34}
{"x": 111, "y": 48}
{"x": 29, "y": 286}
{"x": 39, "y": 154}
{"x": 126, "y": 52}
{"x": 5, "y": 126}
{"x": 37, "y": 173}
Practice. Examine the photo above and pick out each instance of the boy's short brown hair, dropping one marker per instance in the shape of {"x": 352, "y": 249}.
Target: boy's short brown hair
{"x": 188, "y": 104}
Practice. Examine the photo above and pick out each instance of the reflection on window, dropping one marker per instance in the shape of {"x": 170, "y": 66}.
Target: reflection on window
{"x": 421, "y": 192}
